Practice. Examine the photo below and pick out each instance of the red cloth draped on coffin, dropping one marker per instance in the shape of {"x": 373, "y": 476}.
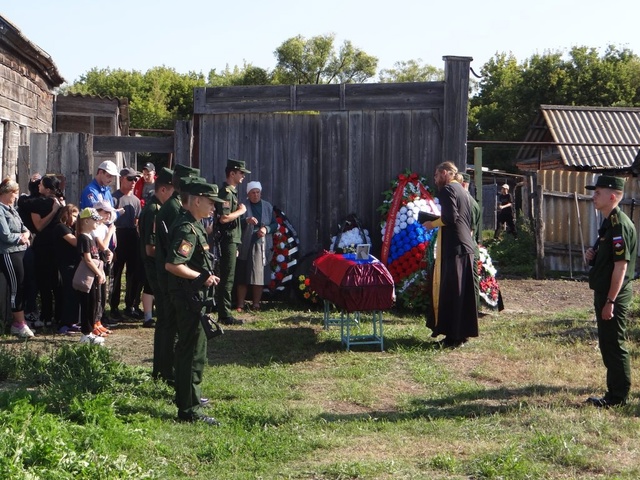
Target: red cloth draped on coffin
{"x": 351, "y": 284}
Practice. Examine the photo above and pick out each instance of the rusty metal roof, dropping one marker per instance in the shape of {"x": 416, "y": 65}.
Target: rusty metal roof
{"x": 587, "y": 127}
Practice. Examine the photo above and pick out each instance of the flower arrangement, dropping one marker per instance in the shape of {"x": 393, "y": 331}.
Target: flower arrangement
{"x": 489, "y": 288}
{"x": 284, "y": 253}
{"x": 350, "y": 234}
{"x": 308, "y": 293}
{"x": 407, "y": 247}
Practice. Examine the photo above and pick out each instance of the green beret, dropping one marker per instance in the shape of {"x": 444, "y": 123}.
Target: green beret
{"x": 164, "y": 176}
{"x": 237, "y": 165}
{"x": 606, "y": 181}
{"x": 198, "y": 187}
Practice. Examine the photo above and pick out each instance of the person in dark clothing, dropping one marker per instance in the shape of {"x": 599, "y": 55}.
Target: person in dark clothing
{"x": 24, "y": 204}
{"x": 505, "y": 213}
{"x": 613, "y": 261}
{"x": 454, "y": 309}
{"x": 67, "y": 257}
{"x": 127, "y": 254}
{"x": 44, "y": 214}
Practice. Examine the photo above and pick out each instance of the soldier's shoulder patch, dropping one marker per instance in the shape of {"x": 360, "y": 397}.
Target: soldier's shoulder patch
{"x": 618, "y": 246}
{"x": 185, "y": 248}
{"x": 614, "y": 219}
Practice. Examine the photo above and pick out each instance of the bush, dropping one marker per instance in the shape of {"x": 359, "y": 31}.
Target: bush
{"x": 515, "y": 256}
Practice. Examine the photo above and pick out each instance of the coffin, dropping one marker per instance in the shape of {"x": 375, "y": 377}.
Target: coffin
{"x": 352, "y": 284}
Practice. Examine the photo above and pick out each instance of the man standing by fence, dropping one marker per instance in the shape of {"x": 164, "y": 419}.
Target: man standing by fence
{"x": 612, "y": 260}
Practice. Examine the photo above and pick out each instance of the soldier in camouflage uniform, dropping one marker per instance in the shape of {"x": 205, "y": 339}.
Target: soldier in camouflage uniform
{"x": 165, "y": 333}
{"x": 190, "y": 269}
{"x": 229, "y": 213}
{"x": 612, "y": 260}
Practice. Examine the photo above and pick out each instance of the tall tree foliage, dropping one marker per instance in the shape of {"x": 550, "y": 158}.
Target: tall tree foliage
{"x": 411, "y": 71}
{"x": 157, "y": 98}
{"x": 510, "y": 93}
{"x": 315, "y": 61}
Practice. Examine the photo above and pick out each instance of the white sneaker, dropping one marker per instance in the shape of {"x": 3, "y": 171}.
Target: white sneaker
{"x": 23, "y": 331}
{"x": 92, "y": 339}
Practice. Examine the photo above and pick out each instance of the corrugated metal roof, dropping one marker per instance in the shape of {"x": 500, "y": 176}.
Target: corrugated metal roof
{"x": 587, "y": 126}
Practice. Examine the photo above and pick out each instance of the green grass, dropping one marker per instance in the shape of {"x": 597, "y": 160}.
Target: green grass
{"x": 294, "y": 405}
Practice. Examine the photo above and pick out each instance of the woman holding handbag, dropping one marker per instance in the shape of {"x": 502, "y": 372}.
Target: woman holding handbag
{"x": 90, "y": 301}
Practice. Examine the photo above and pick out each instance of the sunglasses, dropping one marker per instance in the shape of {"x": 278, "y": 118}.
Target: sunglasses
{"x": 132, "y": 179}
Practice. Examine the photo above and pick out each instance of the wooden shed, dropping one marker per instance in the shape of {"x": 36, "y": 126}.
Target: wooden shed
{"x": 28, "y": 78}
{"x": 576, "y": 144}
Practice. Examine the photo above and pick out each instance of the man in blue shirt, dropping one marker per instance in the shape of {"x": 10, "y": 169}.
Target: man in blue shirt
{"x": 99, "y": 189}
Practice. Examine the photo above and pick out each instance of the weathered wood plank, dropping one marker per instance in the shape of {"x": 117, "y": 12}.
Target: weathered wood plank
{"x": 133, "y": 144}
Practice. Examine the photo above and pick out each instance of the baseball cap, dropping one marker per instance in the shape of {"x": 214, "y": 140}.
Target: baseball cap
{"x": 90, "y": 213}
{"x": 109, "y": 167}
{"x": 149, "y": 166}
{"x": 129, "y": 172}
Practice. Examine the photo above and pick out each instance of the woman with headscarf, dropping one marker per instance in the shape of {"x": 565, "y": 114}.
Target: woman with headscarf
{"x": 14, "y": 240}
{"x": 254, "y": 254}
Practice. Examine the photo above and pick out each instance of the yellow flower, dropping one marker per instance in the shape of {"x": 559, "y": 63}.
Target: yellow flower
{"x": 301, "y": 278}
{"x": 302, "y": 286}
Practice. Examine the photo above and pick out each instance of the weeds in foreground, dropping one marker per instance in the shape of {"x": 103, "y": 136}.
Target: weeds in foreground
{"x": 294, "y": 404}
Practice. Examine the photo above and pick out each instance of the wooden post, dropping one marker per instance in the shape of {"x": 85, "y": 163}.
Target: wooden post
{"x": 477, "y": 165}
{"x": 455, "y": 114}
{"x": 539, "y": 231}
{"x": 183, "y": 145}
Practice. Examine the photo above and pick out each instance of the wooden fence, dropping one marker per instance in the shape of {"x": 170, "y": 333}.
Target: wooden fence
{"x": 570, "y": 221}
{"x": 324, "y": 151}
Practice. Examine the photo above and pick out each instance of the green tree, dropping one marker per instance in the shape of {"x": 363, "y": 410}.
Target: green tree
{"x": 157, "y": 98}
{"x": 509, "y": 94}
{"x": 247, "y": 75}
{"x": 411, "y": 71}
{"x": 315, "y": 61}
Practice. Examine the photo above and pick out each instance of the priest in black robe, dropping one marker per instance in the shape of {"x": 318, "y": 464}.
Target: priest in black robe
{"x": 454, "y": 310}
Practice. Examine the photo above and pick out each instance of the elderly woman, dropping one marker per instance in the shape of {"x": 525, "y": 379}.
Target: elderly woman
{"x": 14, "y": 240}
{"x": 254, "y": 253}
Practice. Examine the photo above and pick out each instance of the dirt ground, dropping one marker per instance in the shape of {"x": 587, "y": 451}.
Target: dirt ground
{"x": 134, "y": 344}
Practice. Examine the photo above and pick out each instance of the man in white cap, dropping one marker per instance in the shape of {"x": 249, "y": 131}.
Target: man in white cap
{"x": 99, "y": 188}
{"x": 505, "y": 213}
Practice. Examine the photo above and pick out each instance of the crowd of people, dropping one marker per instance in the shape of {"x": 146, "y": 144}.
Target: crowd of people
{"x": 159, "y": 234}
{"x": 155, "y": 231}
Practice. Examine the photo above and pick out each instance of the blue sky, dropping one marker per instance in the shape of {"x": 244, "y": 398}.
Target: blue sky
{"x": 199, "y": 35}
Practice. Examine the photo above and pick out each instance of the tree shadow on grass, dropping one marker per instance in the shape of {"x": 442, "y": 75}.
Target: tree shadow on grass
{"x": 480, "y": 403}
{"x": 255, "y": 348}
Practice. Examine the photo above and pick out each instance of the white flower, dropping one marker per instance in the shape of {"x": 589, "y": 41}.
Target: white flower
{"x": 410, "y": 220}
{"x": 280, "y": 258}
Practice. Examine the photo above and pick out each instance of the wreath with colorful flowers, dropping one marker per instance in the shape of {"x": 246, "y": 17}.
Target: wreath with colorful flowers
{"x": 285, "y": 252}
{"x": 489, "y": 288}
{"x": 407, "y": 247}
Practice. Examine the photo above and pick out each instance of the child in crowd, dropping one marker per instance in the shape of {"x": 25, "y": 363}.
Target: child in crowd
{"x": 90, "y": 302}
{"x": 65, "y": 247}
{"x": 104, "y": 235}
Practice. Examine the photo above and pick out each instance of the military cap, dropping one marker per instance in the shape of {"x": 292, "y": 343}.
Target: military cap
{"x": 237, "y": 165}
{"x": 164, "y": 176}
{"x": 182, "y": 171}
{"x": 198, "y": 187}
{"x": 466, "y": 177}
{"x": 606, "y": 181}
